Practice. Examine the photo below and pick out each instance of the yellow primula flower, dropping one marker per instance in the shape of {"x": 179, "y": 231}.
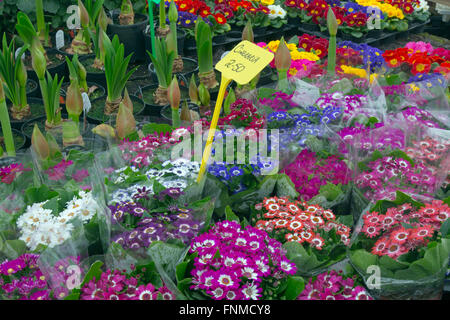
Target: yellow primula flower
{"x": 355, "y": 71}
{"x": 267, "y": 2}
{"x": 297, "y": 55}
{"x": 273, "y": 45}
{"x": 291, "y": 46}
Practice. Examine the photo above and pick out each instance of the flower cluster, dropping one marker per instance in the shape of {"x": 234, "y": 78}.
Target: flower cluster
{"x": 372, "y": 57}
{"x": 238, "y": 264}
{"x": 279, "y": 101}
{"x": 316, "y": 45}
{"x": 146, "y": 227}
{"x": 243, "y": 115}
{"x": 58, "y": 171}
{"x": 139, "y": 153}
{"x": 22, "y": 279}
{"x": 309, "y": 173}
{"x": 388, "y": 174}
{"x": 118, "y": 285}
{"x": 404, "y": 228}
{"x": 368, "y": 139}
{"x": 39, "y": 225}
{"x": 9, "y": 173}
{"x": 199, "y": 8}
{"x": 390, "y": 10}
{"x": 332, "y": 285}
{"x": 297, "y": 221}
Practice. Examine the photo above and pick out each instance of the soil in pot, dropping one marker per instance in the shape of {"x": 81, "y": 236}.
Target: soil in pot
{"x": 93, "y": 74}
{"x": 134, "y": 85}
{"x": 166, "y": 111}
{"x": 19, "y": 140}
{"x": 56, "y": 64}
{"x": 32, "y": 88}
{"x": 27, "y": 128}
{"x": 37, "y": 110}
{"x": 97, "y": 113}
{"x": 189, "y": 66}
{"x": 151, "y": 108}
{"x": 96, "y": 90}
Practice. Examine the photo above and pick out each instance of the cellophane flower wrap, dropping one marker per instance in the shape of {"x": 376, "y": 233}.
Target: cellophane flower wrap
{"x": 313, "y": 236}
{"x": 407, "y": 243}
{"x": 232, "y": 262}
{"x": 16, "y": 175}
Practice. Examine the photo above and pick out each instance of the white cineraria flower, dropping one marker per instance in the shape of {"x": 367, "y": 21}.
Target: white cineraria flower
{"x": 84, "y": 208}
{"x": 421, "y": 6}
{"x": 276, "y": 11}
{"x": 120, "y": 170}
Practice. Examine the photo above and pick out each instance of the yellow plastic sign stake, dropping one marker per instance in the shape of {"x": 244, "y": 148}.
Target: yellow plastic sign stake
{"x": 241, "y": 64}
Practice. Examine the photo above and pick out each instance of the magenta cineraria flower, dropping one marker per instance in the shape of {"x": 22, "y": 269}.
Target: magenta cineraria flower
{"x": 9, "y": 173}
{"x": 249, "y": 260}
{"x": 332, "y": 285}
{"x": 58, "y": 172}
{"x": 80, "y": 175}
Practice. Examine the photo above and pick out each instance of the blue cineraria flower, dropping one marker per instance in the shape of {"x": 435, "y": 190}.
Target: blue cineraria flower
{"x": 277, "y": 116}
{"x": 236, "y": 171}
{"x": 239, "y": 188}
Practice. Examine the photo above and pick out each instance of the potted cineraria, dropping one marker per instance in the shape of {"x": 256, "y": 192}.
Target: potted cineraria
{"x": 408, "y": 242}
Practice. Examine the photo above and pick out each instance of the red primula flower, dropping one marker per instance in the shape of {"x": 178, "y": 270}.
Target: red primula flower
{"x": 421, "y": 66}
{"x": 291, "y": 3}
{"x": 220, "y": 18}
{"x": 407, "y": 8}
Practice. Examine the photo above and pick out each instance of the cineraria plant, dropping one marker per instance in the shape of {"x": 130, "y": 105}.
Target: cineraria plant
{"x": 409, "y": 241}
{"x": 318, "y": 174}
{"x": 140, "y": 282}
{"x": 314, "y": 238}
{"x": 230, "y": 262}
{"x": 50, "y": 222}
{"x": 333, "y": 285}
{"x": 155, "y": 217}
{"x": 23, "y": 279}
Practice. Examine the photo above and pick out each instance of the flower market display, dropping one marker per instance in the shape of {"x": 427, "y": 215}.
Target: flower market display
{"x": 224, "y": 150}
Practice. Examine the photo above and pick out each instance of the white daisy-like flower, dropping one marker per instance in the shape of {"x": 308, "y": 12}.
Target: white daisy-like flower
{"x": 276, "y": 11}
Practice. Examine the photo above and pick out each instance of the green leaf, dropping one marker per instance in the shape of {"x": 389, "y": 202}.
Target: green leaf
{"x": 230, "y": 216}
{"x": 95, "y": 271}
{"x": 295, "y": 286}
{"x": 362, "y": 259}
{"x": 445, "y": 228}
{"x": 392, "y": 264}
{"x": 285, "y": 187}
{"x": 166, "y": 257}
{"x": 151, "y": 128}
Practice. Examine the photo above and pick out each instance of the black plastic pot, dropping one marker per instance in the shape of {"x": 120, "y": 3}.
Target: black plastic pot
{"x": 138, "y": 108}
{"x": 265, "y": 77}
{"x": 187, "y": 75}
{"x": 37, "y": 110}
{"x": 34, "y": 92}
{"x": 220, "y": 38}
{"x": 181, "y": 37}
{"x": 151, "y": 109}
{"x": 374, "y": 33}
{"x": 309, "y": 26}
{"x": 234, "y": 36}
{"x": 260, "y": 32}
{"x": 166, "y": 111}
{"x": 131, "y": 36}
{"x": 20, "y": 141}
{"x": 57, "y": 68}
{"x": 97, "y": 144}
{"x": 94, "y": 77}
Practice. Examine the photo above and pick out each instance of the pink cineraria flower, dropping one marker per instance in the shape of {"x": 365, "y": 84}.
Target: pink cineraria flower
{"x": 8, "y": 173}
{"x": 80, "y": 175}
{"x": 58, "y": 172}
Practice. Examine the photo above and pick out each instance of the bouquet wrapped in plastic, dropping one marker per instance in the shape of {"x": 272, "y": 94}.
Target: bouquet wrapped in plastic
{"x": 401, "y": 248}
{"x": 313, "y": 237}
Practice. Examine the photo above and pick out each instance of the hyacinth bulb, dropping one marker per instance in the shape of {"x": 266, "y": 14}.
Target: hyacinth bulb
{"x": 38, "y": 62}
{"x": 203, "y": 95}
{"x": 247, "y": 33}
{"x": 39, "y": 143}
{"x": 173, "y": 12}
{"x": 186, "y": 113}
{"x": 125, "y": 122}
{"x": 84, "y": 15}
{"x": 102, "y": 19}
{"x": 127, "y": 101}
{"x": 332, "y": 23}
{"x": 282, "y": 56}
{"x": 71, "y": 132}
{"x": 193, "y": 90}
{"x": 74, "y": 101}
{"x": 104, "y": 130}
{"x": 174, "y": 94}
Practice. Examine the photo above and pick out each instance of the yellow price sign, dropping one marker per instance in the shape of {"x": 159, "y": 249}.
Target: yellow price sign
{"x": 244, "y": 62}
{"x": 241, "y": 64}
